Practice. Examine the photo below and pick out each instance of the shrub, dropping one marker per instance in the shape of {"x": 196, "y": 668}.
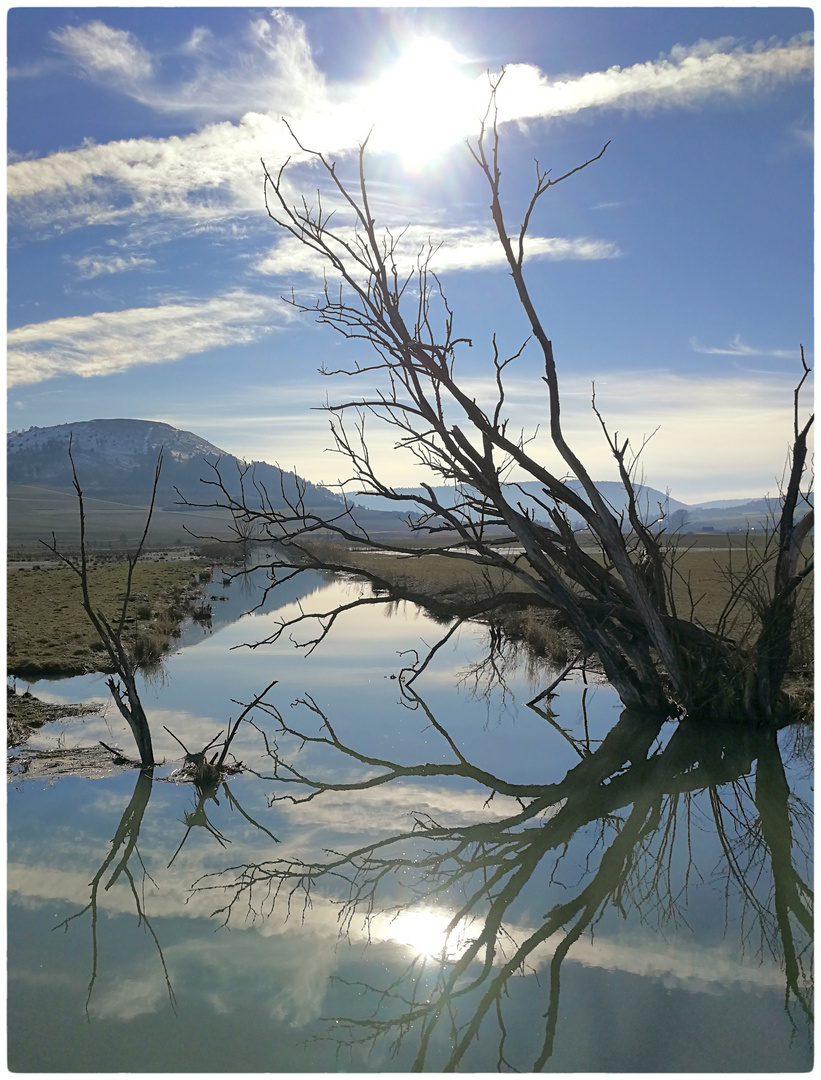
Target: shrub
{"x": 149, "y": 646}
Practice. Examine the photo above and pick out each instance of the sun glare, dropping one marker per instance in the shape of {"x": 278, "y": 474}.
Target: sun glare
{"x": 424, "y": 932}
{"x": 424, "y": 103}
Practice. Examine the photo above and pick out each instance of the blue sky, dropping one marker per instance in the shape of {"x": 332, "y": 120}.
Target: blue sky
{"x": 144, "y": 277}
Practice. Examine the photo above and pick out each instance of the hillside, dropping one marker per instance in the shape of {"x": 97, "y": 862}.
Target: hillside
{"x": 115, "y": 462}
{"x": 115, "y": 459}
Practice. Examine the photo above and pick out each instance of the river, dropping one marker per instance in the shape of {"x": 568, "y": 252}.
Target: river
{"x": 435, "y": 878}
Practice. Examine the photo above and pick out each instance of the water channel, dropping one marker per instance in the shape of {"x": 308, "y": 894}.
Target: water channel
{"x": 458, "y": 881}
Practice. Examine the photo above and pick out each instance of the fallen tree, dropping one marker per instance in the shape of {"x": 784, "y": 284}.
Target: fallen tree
{"x": 618, "y": 598}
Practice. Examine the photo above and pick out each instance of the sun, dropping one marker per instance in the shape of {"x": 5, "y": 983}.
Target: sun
{"x": 424, "y": 103}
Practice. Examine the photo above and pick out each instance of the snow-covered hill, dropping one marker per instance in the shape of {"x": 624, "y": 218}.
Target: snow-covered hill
{"x": 115, "y": 460}
{"x": 123, "y": 443}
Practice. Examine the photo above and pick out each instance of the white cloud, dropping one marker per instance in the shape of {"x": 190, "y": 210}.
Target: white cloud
{"x": 208, "y": 174}
{"x": 201, "y": 38}
{"x": 721, "y": 436}
{"x": 481, "y": 249}
{"x": 804, "y": 134}
{"x": 738, "y": 347}
{"x": 450, "y": 248}
{"x": 272, "y": 62}
{"x": 90, "y": 266}
{"x": 112, "y": 341}
{"x": 688, "y": 76}
{"x": 215, "y": 171}
{"x": 101, "y": 50}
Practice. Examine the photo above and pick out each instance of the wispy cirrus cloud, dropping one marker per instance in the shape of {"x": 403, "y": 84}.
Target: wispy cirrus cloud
{"x": 113, "y": 341}
{"x": 270, "y": 62}
{"x": 802, "y": 132}
{"x": 104, "y": 52}
{"x": 214, "y": 171}
{"x": 738, "y": 347}
{"x": 478, "y": 249}
{"x": 687, "y": 76}
{"x": 447, "y": 247}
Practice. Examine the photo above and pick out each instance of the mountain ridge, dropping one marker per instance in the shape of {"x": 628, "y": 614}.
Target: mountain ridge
{"x": 116, "y": 458}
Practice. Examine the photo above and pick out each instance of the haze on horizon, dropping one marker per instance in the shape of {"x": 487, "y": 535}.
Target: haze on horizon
{"x": 145, "y": 278}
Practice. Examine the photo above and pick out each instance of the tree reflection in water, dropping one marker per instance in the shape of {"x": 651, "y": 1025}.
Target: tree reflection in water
{"x": 124, "y": 848}
{"x": 639, "y": 794}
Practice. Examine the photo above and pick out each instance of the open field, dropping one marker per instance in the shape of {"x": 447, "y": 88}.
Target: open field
{"x": 49, "y": 633}
{"x": 701, "y": 584}
{"x": 35, "y": 512}
{"x": 702, "y": 570}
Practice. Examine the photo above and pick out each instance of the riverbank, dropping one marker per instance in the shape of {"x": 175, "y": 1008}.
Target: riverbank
{"x": 705, "y": 570}
{"x": 706, "y": 574}
{"x": 49, "y": 634}
{"x": 24, "y": 712}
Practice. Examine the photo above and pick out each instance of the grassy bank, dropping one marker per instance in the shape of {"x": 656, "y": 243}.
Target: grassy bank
{"x": 705, "y": 567}
{"x": 702, "y": 582}
{"x": 49, "y": 634}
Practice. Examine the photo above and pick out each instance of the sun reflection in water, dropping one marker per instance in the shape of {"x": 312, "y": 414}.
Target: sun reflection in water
{"x": 424, "y": 931}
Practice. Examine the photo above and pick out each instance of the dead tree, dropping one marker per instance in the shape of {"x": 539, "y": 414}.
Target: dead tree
{"x": 125, "y": 693}
{"x": 619, "y": 599}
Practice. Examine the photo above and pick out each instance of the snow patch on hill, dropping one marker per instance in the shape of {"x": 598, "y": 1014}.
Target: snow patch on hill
{"x": 120, "y": 442}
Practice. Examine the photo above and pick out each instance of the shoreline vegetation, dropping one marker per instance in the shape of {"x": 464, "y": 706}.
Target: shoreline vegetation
{"x": 707, "y": 566}
{"x": 49, "y": 635}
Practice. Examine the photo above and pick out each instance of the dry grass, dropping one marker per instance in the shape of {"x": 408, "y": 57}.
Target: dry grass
{"x": 701, "y": 585}
{"x": 49, "y": 633}
{"x": 432, "y": 575}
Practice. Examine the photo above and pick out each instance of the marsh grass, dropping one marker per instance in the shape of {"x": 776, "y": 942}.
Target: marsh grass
{"x": 49, "y": 634}
{"x": 707, "y": 567}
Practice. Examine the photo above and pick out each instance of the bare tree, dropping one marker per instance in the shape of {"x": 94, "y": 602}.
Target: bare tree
{"x": 619, "y": 598}
{"x": 123, "y": 659}
{"x": 125, "y": 693}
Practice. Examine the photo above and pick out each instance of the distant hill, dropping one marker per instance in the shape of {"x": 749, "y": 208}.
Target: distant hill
{"x": 526, "y": 493}
{"x": 115, "y": 459}
{"x": 115, "y": 462}
{"x": 720, "y": 515}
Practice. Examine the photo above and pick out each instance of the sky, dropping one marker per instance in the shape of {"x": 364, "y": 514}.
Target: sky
{"x": 145, "y": 278}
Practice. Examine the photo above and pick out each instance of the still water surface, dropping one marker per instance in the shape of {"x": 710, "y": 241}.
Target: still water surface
{"x": 631, "y": 917}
